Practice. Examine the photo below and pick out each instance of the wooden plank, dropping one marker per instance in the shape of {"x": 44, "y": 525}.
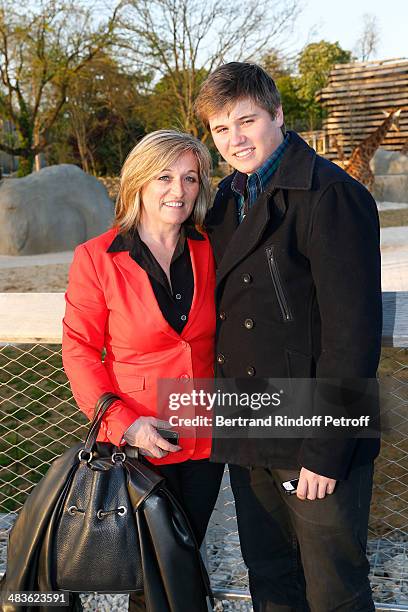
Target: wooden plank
{"x": 354, "y": 105}
{"x": 362, "y": 121}
{"x": 31, "y": 318}
{"x": 336, "y": 80}
{"x": 368, "y": 97}
{"x": 346, "y": 128}
{"x": 336, "y": 76}
{"x": 353, "y": 138}
{"x": 358, "y": 133}
{"x": 394, "y": 61}
{"x": 362, "y": 104}
{"x": 332, "y": 153}
{"x": 342, "y": 74}
{"x": 394, "y": 136}
{"x": 372, "y": 113}
{"x": 370, "y": 104}
{"x": 372, "y": 64}
{"x": 395, "y": 318}
{"x": 367, "y": 84}
{"x": 349, "y": 126}
{"x": 358, "y": 67}
{"x": 358, "y": 136}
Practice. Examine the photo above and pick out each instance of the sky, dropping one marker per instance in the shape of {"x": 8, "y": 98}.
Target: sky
{"x": 342, "y": 20}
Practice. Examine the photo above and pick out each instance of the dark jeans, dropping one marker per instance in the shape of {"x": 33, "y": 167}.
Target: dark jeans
{"x": 195, "y": 484}
{"x": 307, "y": 555}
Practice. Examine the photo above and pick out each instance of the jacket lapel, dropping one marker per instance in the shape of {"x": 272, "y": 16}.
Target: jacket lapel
{"x": 200, "y": 260}
{"x": 221, "y": 224}
{"x": 246, "y": 236}
{"x": 232, "y": 242}
{"x": 138, "y": 280}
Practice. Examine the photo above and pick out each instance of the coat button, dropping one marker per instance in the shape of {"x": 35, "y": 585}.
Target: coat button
{"x": 247, "y": 278}
{"x": 251, "y": 371}
{"x": 249, "y": 323}
{"x": 184, "y": 377}
{"x": 220, "y": 358}
{"x": 222, "y": 315}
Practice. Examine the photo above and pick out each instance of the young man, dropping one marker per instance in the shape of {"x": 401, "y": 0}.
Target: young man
{"x": 296, "y": 242}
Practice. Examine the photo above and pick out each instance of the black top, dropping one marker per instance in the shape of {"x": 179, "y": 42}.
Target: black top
{"x": 175, "y": 300}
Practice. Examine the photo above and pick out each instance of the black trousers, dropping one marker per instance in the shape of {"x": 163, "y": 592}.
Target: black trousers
{"x": 307, "y": 555}
{"x": 195, "y": 483}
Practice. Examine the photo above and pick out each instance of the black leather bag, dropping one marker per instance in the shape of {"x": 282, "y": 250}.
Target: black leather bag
{"x": 111, "y": 526}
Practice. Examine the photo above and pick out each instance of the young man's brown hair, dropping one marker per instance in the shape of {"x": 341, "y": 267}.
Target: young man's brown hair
{"x": 233, "y": 82}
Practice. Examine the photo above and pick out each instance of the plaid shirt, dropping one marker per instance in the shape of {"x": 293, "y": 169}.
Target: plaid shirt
{"x": 254, "y": 184}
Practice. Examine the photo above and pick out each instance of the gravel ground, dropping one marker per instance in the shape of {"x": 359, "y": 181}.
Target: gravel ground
{"x": 43, "y": 279}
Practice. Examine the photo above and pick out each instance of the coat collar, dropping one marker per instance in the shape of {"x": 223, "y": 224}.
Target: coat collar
{"x": 125, "y": 241}
{"x": 296, "y": 168}
{"x": 231, "y": 247}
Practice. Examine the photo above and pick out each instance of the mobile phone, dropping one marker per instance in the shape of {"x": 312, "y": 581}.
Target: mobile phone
{"x": 290, "y": 486}
{"x": 169, "y": 435}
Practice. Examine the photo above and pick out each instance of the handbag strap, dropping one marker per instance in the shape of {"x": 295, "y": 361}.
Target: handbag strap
{"x": 101, "y": 407}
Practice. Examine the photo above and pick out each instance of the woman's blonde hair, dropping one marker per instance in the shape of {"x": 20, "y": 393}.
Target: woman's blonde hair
{"x": 147, "y": 159}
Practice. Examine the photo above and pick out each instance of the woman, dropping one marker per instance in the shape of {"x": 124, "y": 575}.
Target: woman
{"x": 144, "y": 292}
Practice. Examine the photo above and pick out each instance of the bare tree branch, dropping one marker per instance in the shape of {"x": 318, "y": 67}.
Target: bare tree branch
{"x": 183, "y": 40}
{"x": 368, "y": 42}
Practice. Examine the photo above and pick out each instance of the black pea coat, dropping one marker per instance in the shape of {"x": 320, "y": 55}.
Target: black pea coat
{"x": 298, "y": 295}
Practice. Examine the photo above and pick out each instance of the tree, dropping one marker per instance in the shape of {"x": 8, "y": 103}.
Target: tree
{"x": 180, "y": 41}
{"x": 41, "y": 53}
{"x": 367, "y": 44}
{"x": 283, "y": 72}
{"x": 104, "y": 109}
{"x": 314, "y": 65}
{"x": 276, "y": 64}
{"x": 295, "y": 109}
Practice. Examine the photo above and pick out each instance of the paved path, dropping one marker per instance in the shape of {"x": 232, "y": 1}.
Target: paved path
{"x": 383, "y": 206}
{"x": 44, "y": 259}
{"x": 394, "y": 251}
{"x": 394, "y": 237}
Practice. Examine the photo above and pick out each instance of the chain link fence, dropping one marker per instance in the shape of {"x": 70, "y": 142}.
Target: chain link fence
{"x": 39, "y": 420}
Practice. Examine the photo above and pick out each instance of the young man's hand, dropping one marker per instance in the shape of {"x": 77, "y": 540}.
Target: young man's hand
{"x": 313, "y": 486}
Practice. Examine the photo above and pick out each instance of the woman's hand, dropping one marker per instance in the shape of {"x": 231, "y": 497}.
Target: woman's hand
{"x": 143, "y": 434}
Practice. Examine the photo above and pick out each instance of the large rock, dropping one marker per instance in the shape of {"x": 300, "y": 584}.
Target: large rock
{"x": 389, "y": 162}
{"x": 391, "y": 176}
{"x": 54, "y": 209}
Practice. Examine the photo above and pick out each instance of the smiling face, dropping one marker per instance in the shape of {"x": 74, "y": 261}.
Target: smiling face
{"x": 247, "y": 135}
{"x": 169, "y": 199}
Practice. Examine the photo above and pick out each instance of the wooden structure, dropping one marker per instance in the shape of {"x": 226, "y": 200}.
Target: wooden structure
{"x": 355, "y": 98}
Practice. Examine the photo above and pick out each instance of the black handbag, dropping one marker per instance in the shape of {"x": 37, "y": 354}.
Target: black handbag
{"x": 106, "y": 523}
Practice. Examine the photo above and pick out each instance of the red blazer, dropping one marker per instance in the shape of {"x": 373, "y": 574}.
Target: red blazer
{"x": 110, "y": 304}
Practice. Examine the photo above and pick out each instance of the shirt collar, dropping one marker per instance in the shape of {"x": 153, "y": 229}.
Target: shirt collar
{"x": 127, "y": 241}
{"x": 262, "y": 176}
